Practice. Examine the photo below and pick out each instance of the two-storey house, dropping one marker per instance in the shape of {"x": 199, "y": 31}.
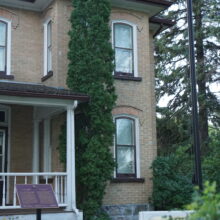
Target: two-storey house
{"x": 35, "y": 102}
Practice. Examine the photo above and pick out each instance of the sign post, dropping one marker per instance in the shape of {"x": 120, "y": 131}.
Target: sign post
{"x": 36, "y": 196}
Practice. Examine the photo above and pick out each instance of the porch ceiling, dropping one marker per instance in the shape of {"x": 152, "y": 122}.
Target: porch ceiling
{"x": 26, "y": 93}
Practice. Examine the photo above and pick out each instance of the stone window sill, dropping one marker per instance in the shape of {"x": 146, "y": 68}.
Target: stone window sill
{"x": 49, "y": 74}
{"x": 128, "y": 180}
{"x": 129, "y": 78}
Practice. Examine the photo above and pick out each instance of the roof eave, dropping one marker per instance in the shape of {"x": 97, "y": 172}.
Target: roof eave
{"x": 150, "y": 7}
{"x": 158, "y": 25}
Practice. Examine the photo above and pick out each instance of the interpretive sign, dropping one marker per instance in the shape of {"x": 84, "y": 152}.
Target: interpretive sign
{"x": 36, "y": 196}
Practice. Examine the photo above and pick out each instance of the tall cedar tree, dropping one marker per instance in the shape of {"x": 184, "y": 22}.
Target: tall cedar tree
{"x": 90, "y": 71}
{"x": 172, "y": 53}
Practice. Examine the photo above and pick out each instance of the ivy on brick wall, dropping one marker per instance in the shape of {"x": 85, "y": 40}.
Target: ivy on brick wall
{"x": 90, "y": 71}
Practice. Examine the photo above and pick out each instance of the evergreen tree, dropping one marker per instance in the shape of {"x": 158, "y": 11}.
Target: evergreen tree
{"x": 90, "y": 71}
{"x": 172, "y": 53}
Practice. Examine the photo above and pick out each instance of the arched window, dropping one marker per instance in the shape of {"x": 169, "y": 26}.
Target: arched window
{"x": 125, "y": 147}
{"x": 3, "y": 47}
{"x": 124, "y": 43}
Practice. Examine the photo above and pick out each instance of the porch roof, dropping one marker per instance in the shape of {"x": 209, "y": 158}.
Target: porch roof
{"x": 39, "y": 91}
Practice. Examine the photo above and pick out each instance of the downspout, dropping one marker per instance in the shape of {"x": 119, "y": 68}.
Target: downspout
{"x": 75, "y": 105}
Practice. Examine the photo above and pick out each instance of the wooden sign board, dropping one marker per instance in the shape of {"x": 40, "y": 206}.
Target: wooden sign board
{"x": 36, "y": 196}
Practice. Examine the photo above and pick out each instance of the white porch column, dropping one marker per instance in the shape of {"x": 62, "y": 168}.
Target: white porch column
{"x": 35, "y": 163}
{"x": 71, "y": 181}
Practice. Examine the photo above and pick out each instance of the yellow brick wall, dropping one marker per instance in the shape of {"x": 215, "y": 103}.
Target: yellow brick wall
{"x": 135, "y": 98}
{"x": 21, "y": 138}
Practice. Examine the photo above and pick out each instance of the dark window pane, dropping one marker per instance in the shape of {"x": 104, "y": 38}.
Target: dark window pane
{"x": 2, "y": 116}
{"x": 1, "y": 161}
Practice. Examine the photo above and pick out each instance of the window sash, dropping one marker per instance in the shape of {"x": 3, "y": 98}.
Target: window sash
{"x": 3, "y": 48}
{"x": 133, "y": 166}
{"x": 49, "y": 47}
{"x": 128, "y": 68}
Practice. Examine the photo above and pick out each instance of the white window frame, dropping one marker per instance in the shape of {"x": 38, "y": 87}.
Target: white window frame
{"x": 137, "y": 139}
{"x": 46, "y": 46}
{"x": 134, "y": 28}
{"x": 8, "y": 49}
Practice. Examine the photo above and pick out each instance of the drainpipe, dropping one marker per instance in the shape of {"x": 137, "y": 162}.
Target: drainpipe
{"x": 71, "y": 156}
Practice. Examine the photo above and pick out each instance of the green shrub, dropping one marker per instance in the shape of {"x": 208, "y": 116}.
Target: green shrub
{"x": 90, "y": 71}
{"x": 206, "y": 204}
{"x": 172, "y": 187}
{"x": 211, "y": 162}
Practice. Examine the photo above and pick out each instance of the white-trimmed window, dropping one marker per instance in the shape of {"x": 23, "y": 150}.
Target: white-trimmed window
{"x": 5, "y": 47}
{"x": 127, "y": 147}
{"x": 124, "y": 39}
{"x": 48, "y": 48}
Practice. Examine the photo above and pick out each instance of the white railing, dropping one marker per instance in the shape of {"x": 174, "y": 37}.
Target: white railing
{"x": 8, "y": 197}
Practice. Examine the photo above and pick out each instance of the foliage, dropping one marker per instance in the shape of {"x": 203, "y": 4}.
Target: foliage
{"x": 62, "y": 144}
{"x": 90, "y": 71}
{"x": 172, "y": 187}
{"x": 172, "y": 131}
{"x": 206, "y": 204}
{"x": 172, "y": 53}
{"x": 211, "y": 162}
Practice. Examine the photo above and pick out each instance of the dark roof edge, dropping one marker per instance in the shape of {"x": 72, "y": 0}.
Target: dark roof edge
{"x": 162, "y": 21}
{"x": 40, "y": 95}
{"x": 163, "y": 24}
{"x": 164, "y": 3}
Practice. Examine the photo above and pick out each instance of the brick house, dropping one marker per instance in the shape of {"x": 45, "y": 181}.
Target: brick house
{"x": 34, "y": 103}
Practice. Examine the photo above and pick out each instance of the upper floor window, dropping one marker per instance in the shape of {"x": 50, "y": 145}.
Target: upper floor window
{"x": 124, "y": 42}
{"x": 125, "y": 147}
{"x": 5, "y": 42}
{"x": 3, "y": 46}
{"x": 48, "y": 48}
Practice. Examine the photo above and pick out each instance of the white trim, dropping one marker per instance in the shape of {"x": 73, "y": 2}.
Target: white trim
{"x": 137, "y": 139}
{"x": 45, "y": 44}
{"x": 134, "y": 26}
{"x": 70, "y": 164}
{"x": 49, "y": 102}
{"x": 34, "y": 174}
{"x": 8, "y": 64}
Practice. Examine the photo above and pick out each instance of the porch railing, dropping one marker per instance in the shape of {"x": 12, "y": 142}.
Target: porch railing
{"x": 8, "y": 197}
